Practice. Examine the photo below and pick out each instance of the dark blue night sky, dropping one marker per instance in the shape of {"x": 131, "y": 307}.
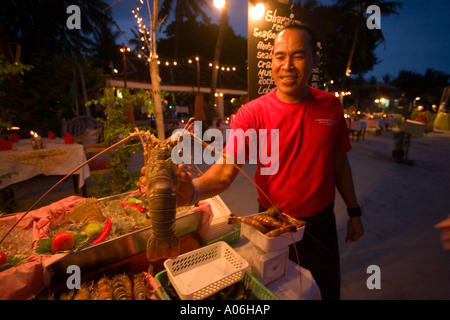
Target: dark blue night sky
{"x": 415, "y": 40}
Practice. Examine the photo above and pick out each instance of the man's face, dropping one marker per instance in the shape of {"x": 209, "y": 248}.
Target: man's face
{"x": 292, "y": 63}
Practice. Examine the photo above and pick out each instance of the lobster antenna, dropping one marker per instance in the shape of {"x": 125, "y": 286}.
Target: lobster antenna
{"x": 225, "y": 157}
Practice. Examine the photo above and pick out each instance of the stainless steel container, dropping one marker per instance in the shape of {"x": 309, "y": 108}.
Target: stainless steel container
{"x": 95, "y": 258}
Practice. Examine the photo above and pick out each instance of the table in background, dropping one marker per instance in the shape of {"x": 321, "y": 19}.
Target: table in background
{"x": 56, "y": 158}
{"x": 357, "y": 129}
{"x": 376, "y": 124}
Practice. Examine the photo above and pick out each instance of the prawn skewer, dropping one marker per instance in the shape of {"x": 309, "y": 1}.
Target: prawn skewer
{"x": 269, "y": 221}
{"x": 278, "y": 231}
{"x": 291, "y": 220}
{"x": 255, "y": 224}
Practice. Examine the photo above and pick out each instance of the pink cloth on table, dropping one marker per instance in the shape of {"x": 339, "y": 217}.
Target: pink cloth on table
{"x": 28, "y": 278}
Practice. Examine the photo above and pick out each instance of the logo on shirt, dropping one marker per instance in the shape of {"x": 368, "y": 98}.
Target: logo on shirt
{"x": 260, "y": 146}
{"x": 327, "y": 122}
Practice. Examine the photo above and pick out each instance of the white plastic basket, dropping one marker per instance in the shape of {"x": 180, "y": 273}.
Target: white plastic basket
{"x": 200, "y": 273}
{"x": 219, "y": 225}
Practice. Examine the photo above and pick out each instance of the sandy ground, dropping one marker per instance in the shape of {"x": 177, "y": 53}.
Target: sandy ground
{"x": 401, "y": 205}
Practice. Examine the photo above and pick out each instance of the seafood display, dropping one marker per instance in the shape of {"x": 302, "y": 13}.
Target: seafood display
{"x": 161, "y": 177}
{"x": 153, "y": 209}
{"x": 115, "y": 287}
{"x": 270, "y": 223}
{"x": 110, "y": 220}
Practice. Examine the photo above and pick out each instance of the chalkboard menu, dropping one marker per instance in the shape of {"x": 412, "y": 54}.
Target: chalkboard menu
{"x": 261, "y": 34}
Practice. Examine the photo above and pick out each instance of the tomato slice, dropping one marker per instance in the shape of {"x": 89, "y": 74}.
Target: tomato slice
{"x": 62, "y": 241}
{"x": 2, "y": 258}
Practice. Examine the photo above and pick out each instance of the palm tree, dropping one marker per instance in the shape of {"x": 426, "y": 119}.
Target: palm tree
{"x": 55, "y": 51}
{"x": 357, "y": 22}
{"x": 42, "y": 24}
{"x": 184, "y": 10}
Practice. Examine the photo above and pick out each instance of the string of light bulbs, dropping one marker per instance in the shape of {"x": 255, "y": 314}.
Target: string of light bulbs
{"x": 145, "y": 37}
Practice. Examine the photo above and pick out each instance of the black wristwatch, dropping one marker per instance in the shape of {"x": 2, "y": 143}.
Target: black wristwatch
{"x": 354, "y": 212}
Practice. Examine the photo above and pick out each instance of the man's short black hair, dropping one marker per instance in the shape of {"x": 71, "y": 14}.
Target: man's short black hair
{"x": 305, "y": 27}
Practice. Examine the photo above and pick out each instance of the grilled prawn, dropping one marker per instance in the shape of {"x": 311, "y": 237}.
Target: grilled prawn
{"x": 255, "y": 224}
{"x": 104, "y": 289}
{"x": 269, "y": 221}
{"x": 139, "y": 287}
{"x": 122, "y": 287}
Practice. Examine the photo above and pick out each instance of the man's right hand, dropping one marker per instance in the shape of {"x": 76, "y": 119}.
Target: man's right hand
{"x": 185, "y": 187}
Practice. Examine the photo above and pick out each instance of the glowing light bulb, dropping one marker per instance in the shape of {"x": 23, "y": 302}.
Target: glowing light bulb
{"x": 257, "y": 11}
{"x": 219, "y": 4}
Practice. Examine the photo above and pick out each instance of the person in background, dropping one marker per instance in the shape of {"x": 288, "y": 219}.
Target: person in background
{"x": 312, "y": 143}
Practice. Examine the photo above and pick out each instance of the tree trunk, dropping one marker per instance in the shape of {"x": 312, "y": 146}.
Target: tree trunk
{"x": 215, "y": 70}
{"x": 156, "y": 89}
{"x": 154, "y": 73}
{"x": 350, "y": 58}
{"x": 358, "y": 14}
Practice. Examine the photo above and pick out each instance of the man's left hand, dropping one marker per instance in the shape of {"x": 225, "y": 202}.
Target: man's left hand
{"x": 355, "y": 229}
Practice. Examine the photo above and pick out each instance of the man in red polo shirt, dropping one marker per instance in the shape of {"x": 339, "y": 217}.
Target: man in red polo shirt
{"x": 310, "y": 161}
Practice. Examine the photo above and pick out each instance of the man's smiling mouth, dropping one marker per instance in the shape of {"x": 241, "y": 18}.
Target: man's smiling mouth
{"x": 288, "y": 78}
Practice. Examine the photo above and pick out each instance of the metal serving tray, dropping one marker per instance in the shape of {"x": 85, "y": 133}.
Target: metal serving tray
{"x": 97, "y": 257}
